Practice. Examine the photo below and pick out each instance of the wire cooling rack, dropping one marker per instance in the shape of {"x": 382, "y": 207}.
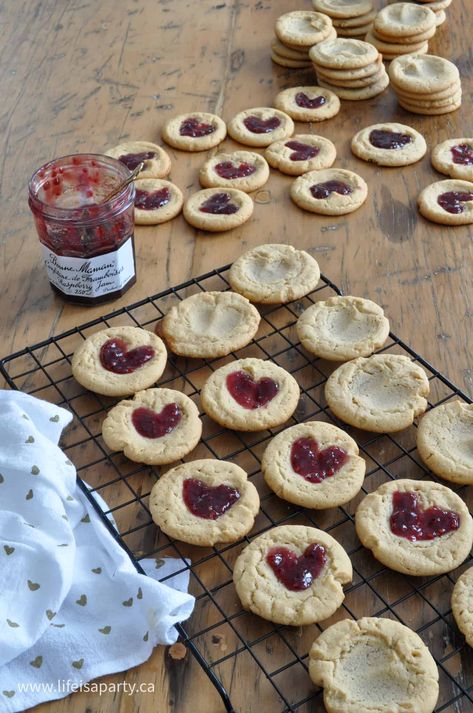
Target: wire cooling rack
{"x": 240, "y": 652}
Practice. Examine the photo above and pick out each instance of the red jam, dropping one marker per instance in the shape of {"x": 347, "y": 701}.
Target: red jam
{"x": 297, "y": 573}
{"x": 249, "y": 393}
{"x": 229, "y": 170}
{"x": 452, "y": 200}
{"x": 315, "y": 465}
{"x": 132, "y": 160}
{"x": 462, "y": 154}
{"x": 152, "y": 201}
{"x": 194, "y": 128}
{"x": 324, "y": 190}
{"x": 300, "y": 151}
{"x": 409, "y": 520}
{"x": 303, "y": 101}
{"x": 150, "y": 424}
{"x": 382, "y": 139}
{"x": 206, "y": 501}
{"x": 87, "y": 239}
{"x": 219, "y": 204}
{"x": 115, "y": 357}
{"x": 261, "y": 126}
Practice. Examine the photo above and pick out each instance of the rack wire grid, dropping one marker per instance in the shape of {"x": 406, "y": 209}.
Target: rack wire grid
{"x": 231, "y": 644}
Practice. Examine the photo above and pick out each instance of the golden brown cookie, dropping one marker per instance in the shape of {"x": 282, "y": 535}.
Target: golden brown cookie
{"x": 373, "y": 665}
{"x": 416, "y": 527}
{"x": 204, "y": 502}
{"x": 382, "y": 393}
{"x": 333, "y": 191}
{"x": 119, "y": 361}
{"x": 301, "y": 153}
{"x": 210, "y": 324}
{"x": 250, "y": 395}
{"x": 292, "y": 575}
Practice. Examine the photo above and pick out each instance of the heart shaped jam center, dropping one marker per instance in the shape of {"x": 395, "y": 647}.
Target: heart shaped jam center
{"x": 249, "y": 393}
{"x": 462, "y": 154}
{"x": 300, "y": 151}
{"x": 206, "y": 501}
{"x": 325, "y": 190}
{"x": 452, "y": 200}
{"x": 152, "y": 201}
{"x": 297, "y": 573}
{"x": 382, "y": 139}
{"x": 219, "y": 204}
{"x": 150, "y": 424}
{"x": 229, "y": 170}
{"x": 410, "y": 520}
{"x": 315, "y": 465}
{"x": 115, "y": 356}
{"x": 303, "y": 101}
{"x": 261, "y": 126}
{"x": 194, "y": 128}
{"x": 132, "y": 160}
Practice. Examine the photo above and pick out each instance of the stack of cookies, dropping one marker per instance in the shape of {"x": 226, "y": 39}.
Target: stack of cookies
{"x": 426, "y": 84}
{"x": 296, "y": 32}
{"x": 351, "y": 18}
{"x": 438, "y": 6}
{"x": 352, "y": 69}
{"x": 402, "y": 28}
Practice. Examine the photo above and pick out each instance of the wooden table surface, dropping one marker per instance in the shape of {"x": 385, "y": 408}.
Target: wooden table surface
{"x": 82, "y": 76}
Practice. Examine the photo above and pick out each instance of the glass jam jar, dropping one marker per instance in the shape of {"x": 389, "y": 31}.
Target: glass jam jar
{"x": 88, "y": 245}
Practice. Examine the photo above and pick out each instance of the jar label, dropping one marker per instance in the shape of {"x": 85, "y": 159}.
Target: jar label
{"x": 93, "y": 276}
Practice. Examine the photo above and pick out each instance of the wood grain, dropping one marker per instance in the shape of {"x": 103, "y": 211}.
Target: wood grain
{"x": 81, "y": 76}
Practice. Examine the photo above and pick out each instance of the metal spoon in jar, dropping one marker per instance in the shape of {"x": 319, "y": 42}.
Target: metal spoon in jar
{"x": 133, "y": 175}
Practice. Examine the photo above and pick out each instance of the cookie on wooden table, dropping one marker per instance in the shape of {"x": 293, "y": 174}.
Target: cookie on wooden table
{"x": 376, "y": 665}
{"x": 447, "y": 202}
{"x": 157, "y": 163}
{"x": 303, "y": 28}
{"x": 343, "y": 54}
{"x": 314, "y": 465}
{"x": 389, "y": 144}
{"x": 292, "y": 575}
{"x": 250, "y": 395}
{"x": 382, "y": 393}
{"x": 454, "y": 157}
{"x": 156, "y": 201}
{"x": 196, "y": 131}
{"x": 416, "y": 527}
{"x": 244, "y": 170}
{"x": 218, "y": 209}
{"x": 260, "y": 126}
{"x": 210, "y": 324}
{"x": 301, "y": 153}
{"x": 119, "y": 361}
{"x": 332, "y": 191}
{"x": 158, "y": 426}
{"x": 343, "y": 328}
{"x": 274, "y": 274}
{"x": 308, "y": 103}
{"x": 204, "y": 502}
{"x": 445, "y": 440}
{"x": 422, "y": 74}
{"x": 462, "y": 604}
{"x": 403, "y": 19}
{"x": 343, "y": 9}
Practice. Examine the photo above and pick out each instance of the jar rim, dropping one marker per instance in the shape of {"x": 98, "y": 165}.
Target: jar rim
{"x": 110, "y": 207}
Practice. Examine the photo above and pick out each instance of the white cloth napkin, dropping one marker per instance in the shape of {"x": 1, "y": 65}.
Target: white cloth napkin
{"x": 72, "y": 605}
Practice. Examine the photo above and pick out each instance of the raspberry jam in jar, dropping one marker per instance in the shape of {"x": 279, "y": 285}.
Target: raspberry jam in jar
{"x": 88, "y": 244}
